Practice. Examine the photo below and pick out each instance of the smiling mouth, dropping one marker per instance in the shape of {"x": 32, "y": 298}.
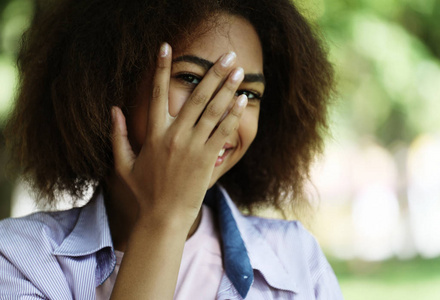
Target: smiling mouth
{"x": 222, "y": 154}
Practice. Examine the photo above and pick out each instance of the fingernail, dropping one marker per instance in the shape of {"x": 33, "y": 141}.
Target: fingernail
{"x": 237, "y": 74}
{"x": 228, "y": 59}
{"x": 242, "y": 101}
{"x": 164, "y": 49}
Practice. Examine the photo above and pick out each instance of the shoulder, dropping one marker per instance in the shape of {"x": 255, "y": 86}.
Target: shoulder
{"x": 293, "y": 244}
{"x": 283, "y": 231}
{"x": 26, "y": 254}
{"x": 42, "y": 228}
{"x": 299, "y": 254}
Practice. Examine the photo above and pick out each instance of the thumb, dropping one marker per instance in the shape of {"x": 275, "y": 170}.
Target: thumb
{"x": 124, "y": 156}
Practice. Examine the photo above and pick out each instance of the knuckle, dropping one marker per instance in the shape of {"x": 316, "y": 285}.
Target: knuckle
{"x": 225, "y": 130}
{"x": 213, "y": 110}
{"x": 218, "y": 72}
{"x": 174, "y": 143}
{"x": 231, "y": 87}
{"x": 157, "y": 91}
{"x": 199, "y": 99}
{"x": 236, "y": 112}
{"x": 161, "y": 64}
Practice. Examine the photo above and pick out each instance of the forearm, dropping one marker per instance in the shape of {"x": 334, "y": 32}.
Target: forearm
{"x": 151, "y": 262}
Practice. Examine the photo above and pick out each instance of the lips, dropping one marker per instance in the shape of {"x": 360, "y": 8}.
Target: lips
{"x": 227, "y": 148}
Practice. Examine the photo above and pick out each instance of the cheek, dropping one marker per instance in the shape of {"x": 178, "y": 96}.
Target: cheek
{"x": 248, "y": 127}
{"x": 176, "y": 99}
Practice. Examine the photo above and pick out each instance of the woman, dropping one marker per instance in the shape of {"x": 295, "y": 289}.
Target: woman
{"x": 237, "y": 95}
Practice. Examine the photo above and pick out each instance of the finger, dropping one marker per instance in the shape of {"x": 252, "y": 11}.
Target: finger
{"x": 228, "y": 125}
{"x": 216, "y": 109}
{"x": 158, "y": 106}
{"x": 202, "y": 94}
{"x": 122, "y": 153}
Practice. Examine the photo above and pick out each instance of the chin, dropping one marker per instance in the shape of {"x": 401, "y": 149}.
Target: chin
{"x": 216, "y": 175}
{"x": 214, "y": 179}
{"x": 211, "y": 184}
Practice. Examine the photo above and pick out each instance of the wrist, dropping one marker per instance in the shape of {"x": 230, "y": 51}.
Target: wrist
{"x": 164, "y": 225}
{"x": 168, "y": 213}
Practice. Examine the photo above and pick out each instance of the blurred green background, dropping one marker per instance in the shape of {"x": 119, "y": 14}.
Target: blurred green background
{"x": 378, "y": 213}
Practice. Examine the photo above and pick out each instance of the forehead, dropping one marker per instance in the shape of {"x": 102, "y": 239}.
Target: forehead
{"x": 227, "y": 33}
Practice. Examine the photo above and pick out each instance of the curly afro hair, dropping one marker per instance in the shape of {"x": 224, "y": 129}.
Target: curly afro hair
{"x": 80, "y": 57}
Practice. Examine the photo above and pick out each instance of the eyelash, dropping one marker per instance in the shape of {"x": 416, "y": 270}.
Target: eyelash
{"x": 189, "y": 79}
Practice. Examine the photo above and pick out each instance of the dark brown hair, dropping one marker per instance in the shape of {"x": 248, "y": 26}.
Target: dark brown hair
{"x": 81, "y": 57}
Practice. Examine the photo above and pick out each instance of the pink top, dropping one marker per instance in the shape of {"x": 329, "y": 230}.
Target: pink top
{"x": 201, "y": 268}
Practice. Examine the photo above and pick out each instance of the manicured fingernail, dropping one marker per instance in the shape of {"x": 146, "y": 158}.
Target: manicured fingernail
{"x": 228, "y": 59}
{"x": 237, "y": 74}
{"x": 242, "y": 101}
{"x": 164, "y": 49}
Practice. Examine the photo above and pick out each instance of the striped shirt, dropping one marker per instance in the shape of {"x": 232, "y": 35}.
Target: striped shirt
{"x": 68, "y": 254}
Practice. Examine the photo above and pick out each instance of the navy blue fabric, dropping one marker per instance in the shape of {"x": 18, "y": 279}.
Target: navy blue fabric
{"x": 235, "y": 258}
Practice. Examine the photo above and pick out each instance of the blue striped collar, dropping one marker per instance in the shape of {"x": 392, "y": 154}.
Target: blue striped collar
{"x": 90, "y": 235}
{"x": 244, "y": 248}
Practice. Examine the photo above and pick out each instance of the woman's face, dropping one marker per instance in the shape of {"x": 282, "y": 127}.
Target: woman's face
{"x": 190, "y": 65}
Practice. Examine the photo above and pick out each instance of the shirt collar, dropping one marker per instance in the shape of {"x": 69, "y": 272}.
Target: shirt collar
{"x": 91, "y": 232}
{"x": 91, "y": 235}
{"x": 261, "y": 255}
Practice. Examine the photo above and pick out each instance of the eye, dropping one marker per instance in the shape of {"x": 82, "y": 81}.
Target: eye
{"x": 252, "y": 96}
{"x": 189, "y": 78}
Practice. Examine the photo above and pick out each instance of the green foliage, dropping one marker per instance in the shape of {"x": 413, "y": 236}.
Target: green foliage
{"x": 386, "y": 54}
{"x": 403, "y": 280}
{"x": 15, "y": 18}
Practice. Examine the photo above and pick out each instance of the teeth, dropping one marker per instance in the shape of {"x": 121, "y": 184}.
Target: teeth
{"x": 221, "y": 152}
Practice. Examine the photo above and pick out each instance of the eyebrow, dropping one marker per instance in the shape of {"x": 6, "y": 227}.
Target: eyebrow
{"x": 206, "y": 64}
